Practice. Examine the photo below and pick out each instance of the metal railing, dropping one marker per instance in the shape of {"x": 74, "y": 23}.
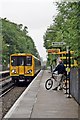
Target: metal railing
{"x": 4, "y": 73}
{"x": 75, "y": 83}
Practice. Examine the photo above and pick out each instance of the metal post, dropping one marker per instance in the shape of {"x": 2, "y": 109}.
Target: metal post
{"x": 67, "y": 50}
{"x": 69, "y": 74}
{"x": 66, "y": 75}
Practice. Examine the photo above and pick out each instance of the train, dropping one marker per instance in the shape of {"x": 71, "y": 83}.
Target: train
{"x": 23, "y": 67}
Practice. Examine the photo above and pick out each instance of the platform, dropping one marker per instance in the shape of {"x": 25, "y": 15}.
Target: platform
{"x": 37, "y": 102}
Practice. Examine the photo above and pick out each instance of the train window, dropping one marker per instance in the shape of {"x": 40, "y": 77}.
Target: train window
{"x": 21, "y": 60}
{"x": 14, "y": 61}
{"x": 28, "y": 61}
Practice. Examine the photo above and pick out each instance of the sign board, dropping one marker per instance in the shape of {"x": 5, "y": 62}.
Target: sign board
{"x": 53, "y": 51}
{"x": 58, "y": 43}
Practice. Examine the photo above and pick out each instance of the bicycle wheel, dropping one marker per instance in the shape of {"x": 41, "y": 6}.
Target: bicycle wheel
{"x": 49, "y": 84}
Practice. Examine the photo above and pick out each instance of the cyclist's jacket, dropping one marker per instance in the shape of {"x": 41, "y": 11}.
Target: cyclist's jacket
{"x": 60, "y": 68}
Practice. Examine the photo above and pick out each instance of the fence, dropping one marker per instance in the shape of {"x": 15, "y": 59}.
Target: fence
{"x": 75, "y": 83}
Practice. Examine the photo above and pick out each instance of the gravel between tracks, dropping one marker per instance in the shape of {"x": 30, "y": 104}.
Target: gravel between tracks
{"x": 9, "y": 99}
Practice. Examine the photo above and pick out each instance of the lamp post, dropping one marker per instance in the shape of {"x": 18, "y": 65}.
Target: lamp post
{"x": 69, "y": 72}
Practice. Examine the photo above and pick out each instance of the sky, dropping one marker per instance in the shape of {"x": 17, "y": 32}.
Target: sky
{"x": 37, "y": 15}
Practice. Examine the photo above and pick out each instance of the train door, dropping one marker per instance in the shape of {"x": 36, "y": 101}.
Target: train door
{"x": 21, "y": 68}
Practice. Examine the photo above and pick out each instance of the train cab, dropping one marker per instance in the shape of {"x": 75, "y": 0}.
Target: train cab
{"x": 23, "y": 67}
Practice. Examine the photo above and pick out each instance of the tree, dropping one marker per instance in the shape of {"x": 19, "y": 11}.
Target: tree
{"x": 15, "y": 40}
{"x": 66, "y": 26}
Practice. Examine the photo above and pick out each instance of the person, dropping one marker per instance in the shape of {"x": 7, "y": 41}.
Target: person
{"x": 60, "y": 68}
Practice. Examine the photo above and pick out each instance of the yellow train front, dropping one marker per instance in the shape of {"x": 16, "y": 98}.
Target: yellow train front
{"x": 23, "y": 67}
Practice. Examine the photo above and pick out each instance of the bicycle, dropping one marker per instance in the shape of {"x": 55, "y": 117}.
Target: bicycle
{"x": 49, "y": 83}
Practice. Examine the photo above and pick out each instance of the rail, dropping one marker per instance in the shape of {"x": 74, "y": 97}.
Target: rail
{"x": 6, "y": 84}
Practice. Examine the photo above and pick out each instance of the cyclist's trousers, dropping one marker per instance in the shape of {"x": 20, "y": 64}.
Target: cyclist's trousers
{"x": 58, "y": 81}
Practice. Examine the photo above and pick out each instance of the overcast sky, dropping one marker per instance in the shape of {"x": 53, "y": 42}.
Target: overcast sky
{"x": 37, "y": 15}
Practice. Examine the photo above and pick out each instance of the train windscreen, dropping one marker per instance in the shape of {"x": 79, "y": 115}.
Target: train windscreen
{"x": 14, "y": 61}
{"x": 17, "y": 60}
{"x": 28, "y": 61}
{"x": 21, "y": 60}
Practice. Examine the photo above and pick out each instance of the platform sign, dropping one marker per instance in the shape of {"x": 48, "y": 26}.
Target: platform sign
{"x": 58, "y": 43}
{"x": 53, "y": 51}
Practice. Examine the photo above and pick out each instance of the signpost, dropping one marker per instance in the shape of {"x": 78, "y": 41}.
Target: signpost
{"x": 58, "y": 43}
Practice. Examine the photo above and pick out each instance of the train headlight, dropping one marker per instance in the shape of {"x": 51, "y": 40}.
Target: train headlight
{"x": 29, "y": 71}
{"x": 13, "y": 71}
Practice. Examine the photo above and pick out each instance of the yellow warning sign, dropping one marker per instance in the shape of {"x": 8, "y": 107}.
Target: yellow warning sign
{"x": 53, "y": 51}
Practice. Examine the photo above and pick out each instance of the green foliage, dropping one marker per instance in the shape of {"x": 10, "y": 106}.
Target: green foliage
{"x": 66, "y": 27}
{"x": 15, "y": 40}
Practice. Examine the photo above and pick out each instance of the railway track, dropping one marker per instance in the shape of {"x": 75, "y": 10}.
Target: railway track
{"x": 10, "y": 98}
{"x": 9, "y": 93}
{"x": 6, "y": 89}
{"x": 6, "y": 85}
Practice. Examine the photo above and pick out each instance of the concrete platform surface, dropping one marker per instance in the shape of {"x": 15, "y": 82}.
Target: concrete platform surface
{"x": 37, "y": 102}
